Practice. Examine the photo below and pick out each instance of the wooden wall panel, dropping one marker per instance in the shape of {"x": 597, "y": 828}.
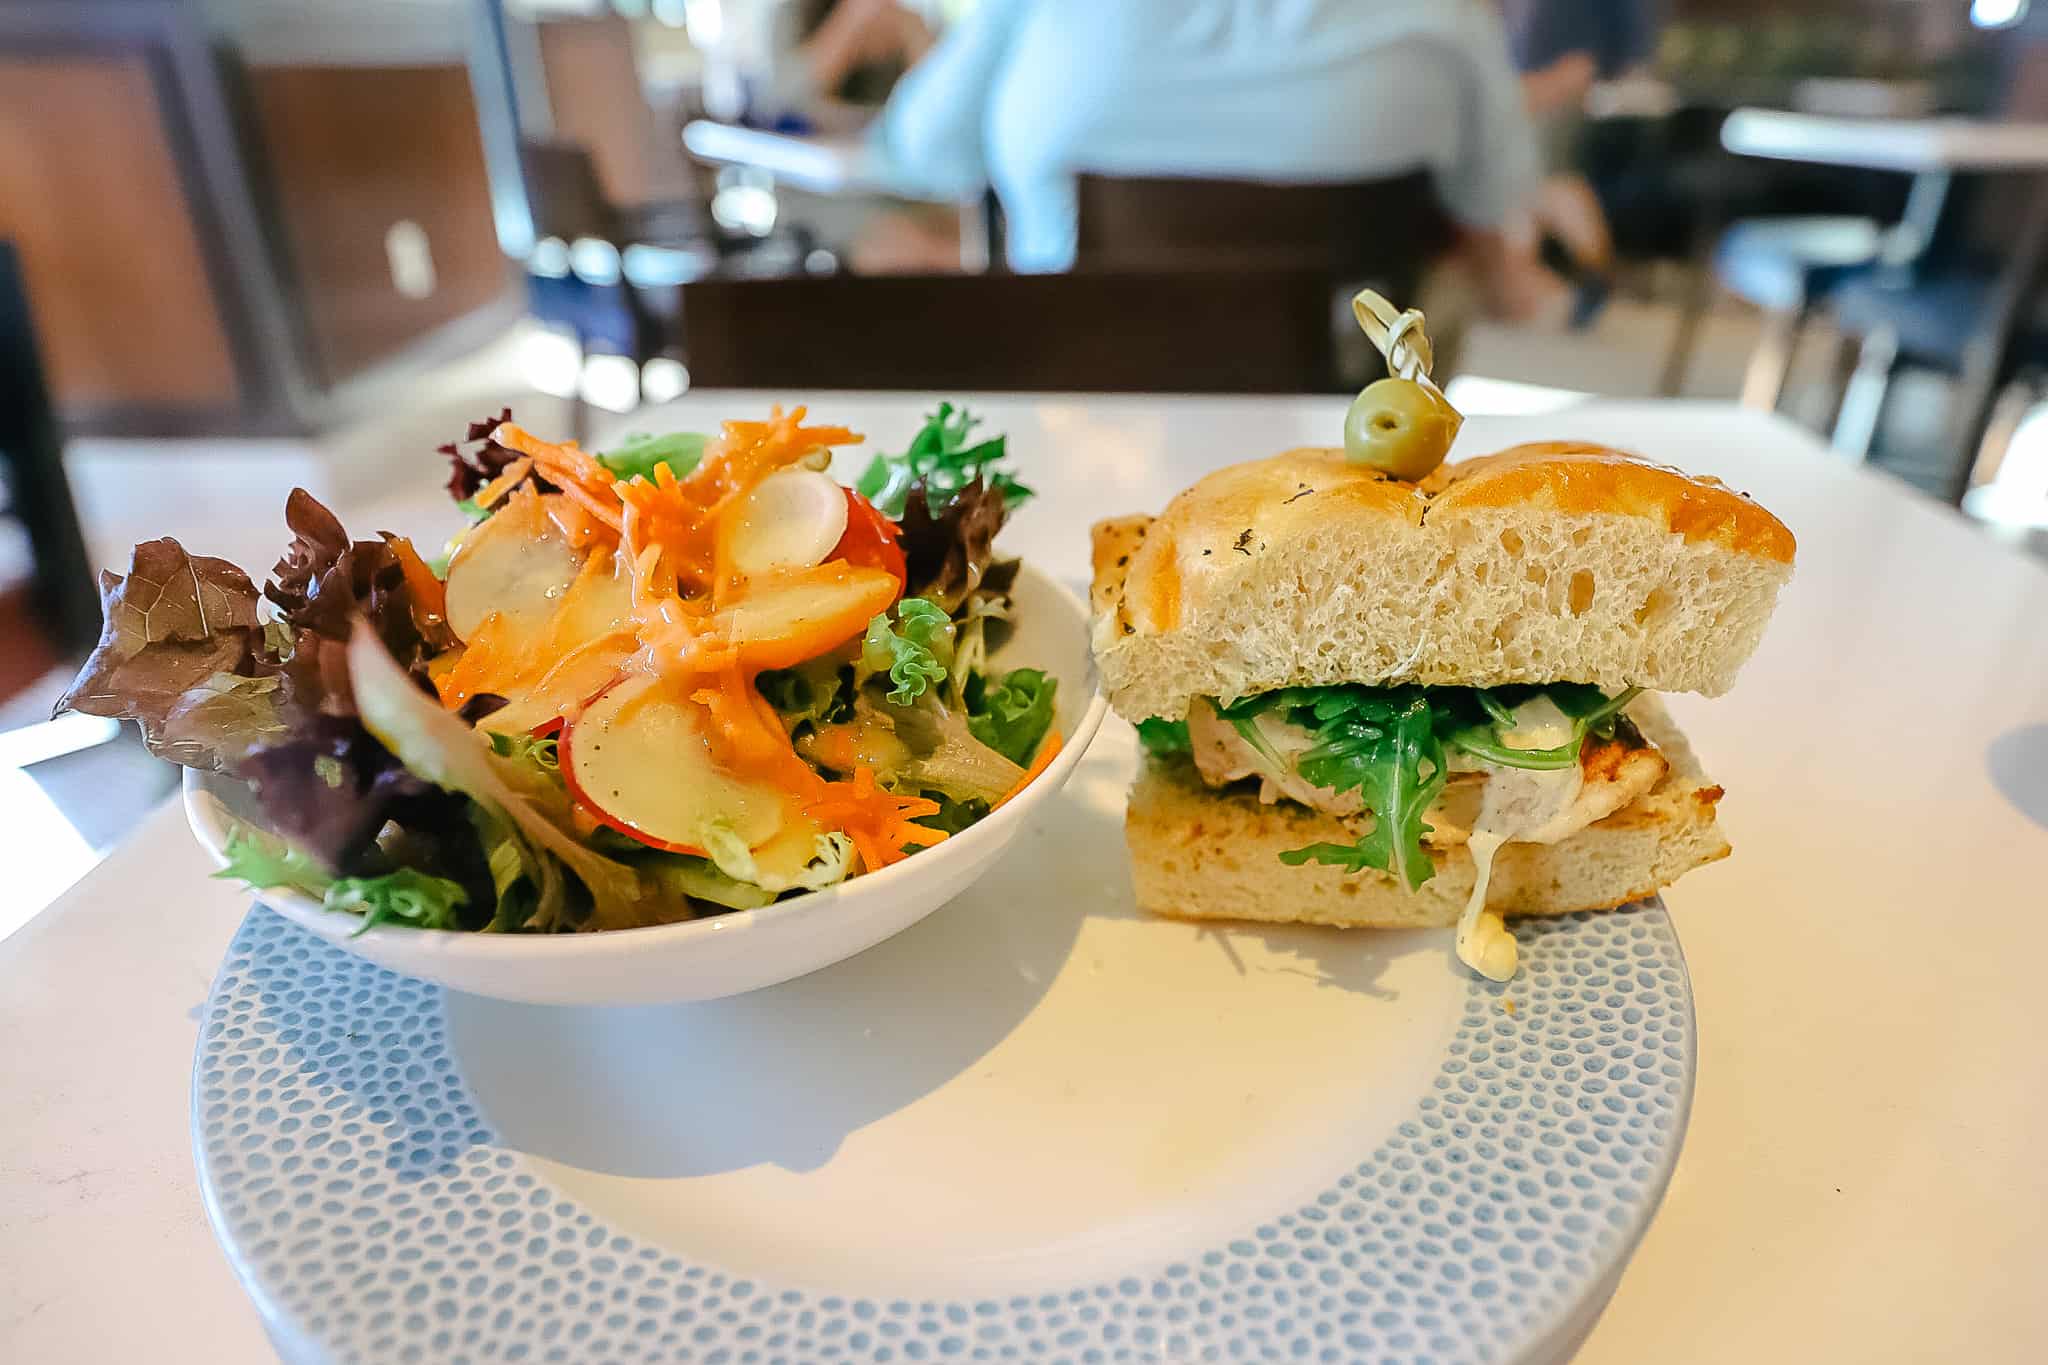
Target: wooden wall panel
{"x": 350, "y": 151}
{"x": 89, "y": 191}
{"x": 595, "y": 99}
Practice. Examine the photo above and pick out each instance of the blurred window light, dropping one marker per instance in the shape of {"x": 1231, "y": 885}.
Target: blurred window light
{"x": 44, "y": 852}
{"x": 550, "y": 361}
{"x": 594, "y": 260}
{"x": 411, "y": 259}
{"x": 663, "y": 380}
{"x": 611, "y": 382}
{"x": 46, "y": 739}
{"x": 745, "y": 208}
{"x": 2017, "y": 494}
{"x": 649, "y": 266}
{"x": 1477, "y": 396}
{"x": 1997, "y": 13}
{"x": 705, "y": 20}
{"x": 550, "y": 258}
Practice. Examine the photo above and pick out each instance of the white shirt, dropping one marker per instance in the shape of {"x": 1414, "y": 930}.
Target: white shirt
{"x": 1024, "y": 94}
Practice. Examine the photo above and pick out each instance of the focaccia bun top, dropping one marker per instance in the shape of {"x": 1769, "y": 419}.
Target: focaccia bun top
{"x": 1557, "y": 562}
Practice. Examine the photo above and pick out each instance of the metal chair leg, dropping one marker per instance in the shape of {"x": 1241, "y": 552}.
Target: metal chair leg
{"x": 32, "y": 448}
{"x": 1763, "y": 383}
{"x": 2009, "y": 410}
{"x": 1692, "y": 312}
{"x": 1863, "y": 399}
{"x": 1841, "y": 369}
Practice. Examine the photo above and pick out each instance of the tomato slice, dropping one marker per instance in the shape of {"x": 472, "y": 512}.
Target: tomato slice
{"x": 870, "y": 539}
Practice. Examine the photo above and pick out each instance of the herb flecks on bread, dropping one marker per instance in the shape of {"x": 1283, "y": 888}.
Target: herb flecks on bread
{"x": 1381, "y": 703}
{"x": 1542, "y": 563}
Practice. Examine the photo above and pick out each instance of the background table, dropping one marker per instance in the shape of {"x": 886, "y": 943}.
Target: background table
{"x": 1888, "y": 144}
{"x": 1933, "y": 151}
{"x": 1862, "y": 1179}
{"x": 829, "y": 163}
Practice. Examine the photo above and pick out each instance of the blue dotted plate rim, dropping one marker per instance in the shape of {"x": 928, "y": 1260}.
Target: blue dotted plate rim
{"x": 367, "y": 1206}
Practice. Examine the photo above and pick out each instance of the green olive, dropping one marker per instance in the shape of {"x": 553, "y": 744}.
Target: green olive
{"x": 1399, "y": 426}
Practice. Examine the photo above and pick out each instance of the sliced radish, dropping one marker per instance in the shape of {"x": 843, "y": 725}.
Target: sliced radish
{"x": 637, "y": 757}
{"x": 517, "y": 564}
{"x": 789, "y": 618}
{"x": 564, "y": 689}
{"x": 791, "y": 520}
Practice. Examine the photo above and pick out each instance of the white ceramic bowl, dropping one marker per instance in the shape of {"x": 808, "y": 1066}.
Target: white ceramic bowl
{"x": 742, "y": 950}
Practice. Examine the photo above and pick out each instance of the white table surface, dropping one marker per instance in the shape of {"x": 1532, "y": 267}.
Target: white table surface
{"x": 1913, "y": 145}
{"x": 1863, "y": 1178}
{"x": 836, "y": 163}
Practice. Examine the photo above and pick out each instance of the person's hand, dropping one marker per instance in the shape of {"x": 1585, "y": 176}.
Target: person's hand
{"x": 858, "y": 32}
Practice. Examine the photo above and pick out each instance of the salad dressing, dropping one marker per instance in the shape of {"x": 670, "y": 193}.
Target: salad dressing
{"x": 1519, "y": 804}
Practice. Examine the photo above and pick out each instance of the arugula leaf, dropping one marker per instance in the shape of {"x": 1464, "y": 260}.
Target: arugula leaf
{"x": 679, "y": 450}
{"x": 1012, "y": 716}
{"x": 1381, "y": 743}
{"x": 942, "y": 463}
{"x": 1164, "y": 737}
{"x": 1590, "y": 710}
{"x": 407, "y": 896}
{"x": 916, "y": 651}
{"x": 1388, "y": 744}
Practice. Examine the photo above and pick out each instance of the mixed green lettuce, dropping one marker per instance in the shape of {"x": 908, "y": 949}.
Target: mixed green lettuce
{"x": 637, "y": 457}
{"x": 915, "y": 649}
{"x": 404, "y": 895}
{"x": 315, "y": 690}
{"x": 1012, "y": 714}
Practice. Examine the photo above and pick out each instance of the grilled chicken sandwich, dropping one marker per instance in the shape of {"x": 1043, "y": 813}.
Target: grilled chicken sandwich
{"x": 1379, "y": 703}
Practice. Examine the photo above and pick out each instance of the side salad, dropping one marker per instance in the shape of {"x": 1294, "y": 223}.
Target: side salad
{"x": 690, "y": 674}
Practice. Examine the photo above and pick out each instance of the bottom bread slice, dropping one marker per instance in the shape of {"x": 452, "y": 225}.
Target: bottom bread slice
{"x": 1202, "y": 853}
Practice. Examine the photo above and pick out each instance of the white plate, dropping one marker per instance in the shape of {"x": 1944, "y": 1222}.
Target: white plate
{"x": 727, "y": 953}
{"x": 1036, "y": 1126}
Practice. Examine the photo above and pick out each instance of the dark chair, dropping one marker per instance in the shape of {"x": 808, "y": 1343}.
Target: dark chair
{"x": 1383, "y": 233}
{"x": 1092, "y": 331}
{"x": 1970, "y": 325}
{"x": 1393, "y": 226}
{"x": 1979, "y": 316}
{"x": 1788, "y": 267}
{"x": 576, "y": 278}
{"x": 1780, "y": 235}
{"x": 39, "y": 495}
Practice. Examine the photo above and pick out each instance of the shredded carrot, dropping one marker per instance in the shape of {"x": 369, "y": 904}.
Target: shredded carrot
{"x": 596, "y": 506}
{"x": 670, "y": 531}
{"x": 683, "y": 516}
{"x": 429, "y": 594}
{"x": 879, "y": 822}
{"x": 489, "y": 494}
{"x": 567, "y": 459}
{"x": 486, "y": 659}
{"x": 1048, "y": 750}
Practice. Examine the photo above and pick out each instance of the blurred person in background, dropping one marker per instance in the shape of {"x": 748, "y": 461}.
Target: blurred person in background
{"x": 1022, "y": 95}
{"x": 1563, "y": 47}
